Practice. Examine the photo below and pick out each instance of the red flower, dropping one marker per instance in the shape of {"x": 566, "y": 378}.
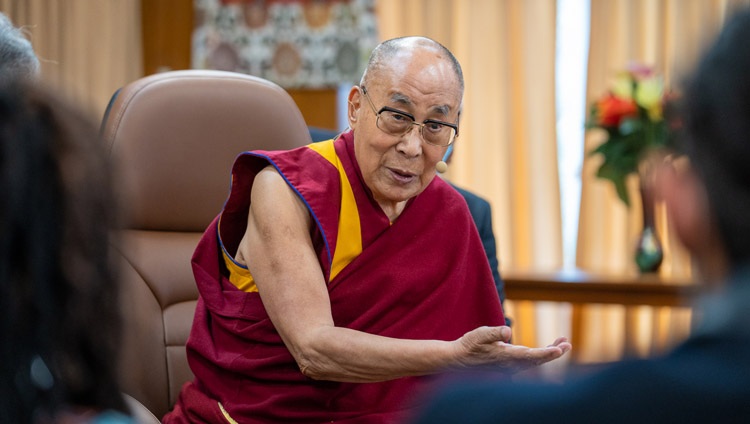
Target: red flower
{"x": 611, "y": 110}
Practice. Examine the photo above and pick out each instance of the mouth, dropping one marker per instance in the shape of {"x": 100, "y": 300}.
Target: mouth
{"x": 402, "y": 176}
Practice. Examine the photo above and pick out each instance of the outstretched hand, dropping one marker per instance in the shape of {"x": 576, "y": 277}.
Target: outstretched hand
{"x": 489, "y": 346}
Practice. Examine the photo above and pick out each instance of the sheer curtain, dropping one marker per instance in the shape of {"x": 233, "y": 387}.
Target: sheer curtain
{"x": 669, "y": 35}
{"x": 506, "y": 150}
{"x": 87, "y": 48}
{"x": 666, "y": 34}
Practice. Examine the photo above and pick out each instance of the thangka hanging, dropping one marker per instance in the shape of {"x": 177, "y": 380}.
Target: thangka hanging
{"x": 297, "y": 44}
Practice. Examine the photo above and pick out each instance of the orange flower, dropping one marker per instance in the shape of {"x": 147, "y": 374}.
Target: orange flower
{"x": 632, "y": 115}
{"x": 611, "y": 110}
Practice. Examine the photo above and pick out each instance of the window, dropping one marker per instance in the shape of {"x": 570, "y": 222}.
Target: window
{"x": 570, "y": 85}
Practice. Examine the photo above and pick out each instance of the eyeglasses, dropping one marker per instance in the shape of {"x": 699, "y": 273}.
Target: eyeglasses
{"x": 397, "y": 123}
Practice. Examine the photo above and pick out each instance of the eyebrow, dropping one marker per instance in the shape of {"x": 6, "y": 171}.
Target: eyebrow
{"x": 405, "y": 100}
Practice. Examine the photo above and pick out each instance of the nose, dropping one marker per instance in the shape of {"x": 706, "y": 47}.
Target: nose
{"x": 411, "y": 142}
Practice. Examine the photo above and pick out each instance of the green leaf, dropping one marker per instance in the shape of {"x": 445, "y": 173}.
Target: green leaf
{"x": 617, "y": 175}
{"x": 622, "y": 191}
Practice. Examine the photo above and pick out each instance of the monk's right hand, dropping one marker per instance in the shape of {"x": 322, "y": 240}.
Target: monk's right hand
{"x": 489, "y": 346}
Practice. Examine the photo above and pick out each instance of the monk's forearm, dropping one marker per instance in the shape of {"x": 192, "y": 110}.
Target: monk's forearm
{"x": 341, "y": 354}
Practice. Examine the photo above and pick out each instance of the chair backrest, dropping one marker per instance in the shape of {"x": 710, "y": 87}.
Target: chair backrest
{"x": 175, "y": 136}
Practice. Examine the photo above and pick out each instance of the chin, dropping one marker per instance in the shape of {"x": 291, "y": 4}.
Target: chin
{"x": 411, "y": 193}
{"x": 392, "y": 194}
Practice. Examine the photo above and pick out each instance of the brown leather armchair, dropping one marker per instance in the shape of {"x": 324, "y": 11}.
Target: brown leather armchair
{"x": 175, "y": 136}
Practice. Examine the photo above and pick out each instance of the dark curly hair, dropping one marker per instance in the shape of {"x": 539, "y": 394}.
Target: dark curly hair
{"x": 60, "y": 322}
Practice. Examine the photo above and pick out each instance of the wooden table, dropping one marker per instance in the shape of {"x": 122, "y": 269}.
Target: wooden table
{"x": 581, "y": 288}
{"x": 577, "y": 286}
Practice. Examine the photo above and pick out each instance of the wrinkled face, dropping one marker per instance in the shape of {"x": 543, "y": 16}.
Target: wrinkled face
{"x": 423, "y": 84}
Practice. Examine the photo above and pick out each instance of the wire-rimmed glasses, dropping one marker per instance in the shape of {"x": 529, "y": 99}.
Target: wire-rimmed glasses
{"x": 397, "y": 123}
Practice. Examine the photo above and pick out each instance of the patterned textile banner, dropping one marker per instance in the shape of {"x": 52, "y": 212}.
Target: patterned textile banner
{"x": 296, "y": 44}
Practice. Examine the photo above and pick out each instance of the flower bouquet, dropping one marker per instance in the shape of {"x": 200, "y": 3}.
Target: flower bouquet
{"x": 631, "y": 113}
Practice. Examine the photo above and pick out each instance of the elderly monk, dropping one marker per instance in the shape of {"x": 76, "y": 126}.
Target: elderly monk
{"x": 341, "y": 274}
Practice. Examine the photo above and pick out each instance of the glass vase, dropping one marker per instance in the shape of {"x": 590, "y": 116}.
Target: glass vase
{"x": 649, "y": 252}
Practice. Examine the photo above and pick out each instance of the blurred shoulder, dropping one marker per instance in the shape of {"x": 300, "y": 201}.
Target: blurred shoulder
{"x": 472, "y": 199}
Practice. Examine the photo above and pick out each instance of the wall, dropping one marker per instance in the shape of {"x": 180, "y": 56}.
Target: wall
{"x": 167, "y": 27}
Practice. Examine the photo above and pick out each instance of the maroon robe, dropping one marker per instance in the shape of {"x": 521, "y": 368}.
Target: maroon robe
{"x": 424, "y": 276}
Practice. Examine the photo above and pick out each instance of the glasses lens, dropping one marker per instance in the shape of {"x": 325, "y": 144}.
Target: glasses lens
{"x": 437, "y": 133}
{"x": 394, "y": 123}
{"x": 398, "y": 124}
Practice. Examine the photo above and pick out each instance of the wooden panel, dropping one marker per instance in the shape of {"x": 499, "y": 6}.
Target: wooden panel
{"x": 318, "y": 107}
{"x": 166, "y": 28}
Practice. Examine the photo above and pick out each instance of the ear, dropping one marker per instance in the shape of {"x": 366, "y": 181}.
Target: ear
{"x": 354, "y": 106}
{"x": 686, "y": 205}
{"x": 686, "y": 199}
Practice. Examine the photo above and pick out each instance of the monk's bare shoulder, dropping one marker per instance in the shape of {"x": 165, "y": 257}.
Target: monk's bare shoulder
{"x": 276, "y": 215}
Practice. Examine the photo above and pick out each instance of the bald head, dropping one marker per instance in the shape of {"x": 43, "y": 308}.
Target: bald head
{"x": 385, "y": 56}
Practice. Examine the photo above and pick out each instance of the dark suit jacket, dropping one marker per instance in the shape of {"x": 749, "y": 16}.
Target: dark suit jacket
{"x": 704, "y": 380}
{"x": 481, "y": 211}
{"x": 321, "y": 134}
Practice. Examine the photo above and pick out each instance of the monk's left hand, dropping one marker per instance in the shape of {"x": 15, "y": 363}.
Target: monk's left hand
{"x": 488, "y": 346}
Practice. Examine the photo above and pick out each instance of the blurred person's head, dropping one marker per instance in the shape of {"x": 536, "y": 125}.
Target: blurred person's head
{"x": 17, "y": 57}
{"x": 59, "y": 314}
{"x": 710, "y": 203}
